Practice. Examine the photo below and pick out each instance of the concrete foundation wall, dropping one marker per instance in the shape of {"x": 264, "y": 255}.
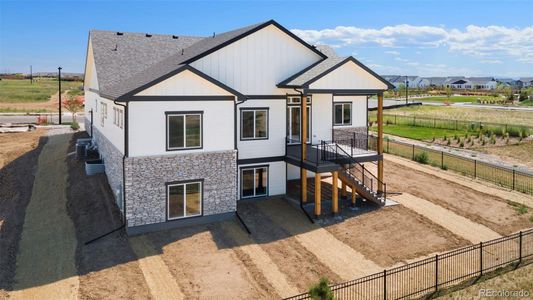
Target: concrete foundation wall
{"x": 146, "y": 199}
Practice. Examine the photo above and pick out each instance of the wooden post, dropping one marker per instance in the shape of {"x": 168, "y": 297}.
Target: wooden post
{"x": 344, "y": 190}
{"x": 354, "y": 195}
{"x": 318, "y": 199}
{"x": 303, "y": 136}
{"x": 335, "y": 192}
{"x": 380, "y": 141}
{"x": 303, "y": 183}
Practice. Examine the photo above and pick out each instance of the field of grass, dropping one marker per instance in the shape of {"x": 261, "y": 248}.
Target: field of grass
{"x": 17, "y": 91}
{"x": 455, "y": 99}
{"x": 419, "y": 133}
{"x": 527, "y": 103}
{"x": 464, "y": 113}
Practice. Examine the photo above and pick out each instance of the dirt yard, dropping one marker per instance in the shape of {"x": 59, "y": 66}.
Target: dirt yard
{"x": 483, "y": 208}
{"x": 19, "y": 153}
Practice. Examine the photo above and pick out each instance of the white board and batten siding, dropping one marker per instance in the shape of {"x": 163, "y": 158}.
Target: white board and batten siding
{"x": 348, "y": 76}
{"x": 321, "y": 118}
{"x": 254, "y": 64}
{"x": 276, "y": 177}
{"x": 147, "y": 119}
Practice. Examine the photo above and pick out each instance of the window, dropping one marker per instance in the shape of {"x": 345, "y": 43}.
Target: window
{"x": 296, "y": 100}
{"x": 254, "y": 182}
{"x": 184, "y": 200}
{"x": 343, "y": 114}
{"x": 294, "y": 126}
{"x": 254, "y": 123}
{"x": 117, "y": 116}
{"x": 184, "y": 130}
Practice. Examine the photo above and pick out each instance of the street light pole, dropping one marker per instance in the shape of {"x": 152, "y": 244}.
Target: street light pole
{"x": 406, "y": 90}
{"x": 59, "y": 104}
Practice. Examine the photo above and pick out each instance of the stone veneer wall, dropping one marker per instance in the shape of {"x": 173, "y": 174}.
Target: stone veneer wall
{"x": 345, "y": 134}
{"x": 113, "y": 163}
{"x": 146, "y": 199}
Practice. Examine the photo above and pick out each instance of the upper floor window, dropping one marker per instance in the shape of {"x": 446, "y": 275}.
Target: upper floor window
{"x": 254, "y": 123}
{"x": 118, "y": 118}
{"x": 184, "y": 130}
{"x": 297, "y": 100}
{"x": 103, "y": 113}
{"x": 342, "y": 114}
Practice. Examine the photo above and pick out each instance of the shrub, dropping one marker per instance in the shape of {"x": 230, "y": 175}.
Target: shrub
{"x": 449, "y": 142}
{"x": 75, "y": 125}
{"x": 421, "y": 158}
{"x": 531, "y": 218}
{"x": 493, "y": 139}
{"x": 444, "y": 167}
{"x": 461, "y": 144}
{"x": 321, "y": 291}
{"x": 521, "y": 209}
{"x": 483, "y": 141}
{"x": 444, "y": 138}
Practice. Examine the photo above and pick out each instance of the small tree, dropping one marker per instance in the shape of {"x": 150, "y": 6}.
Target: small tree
{"x": 73, "y": 104}
{"x": 448, "y": 92}
{"x": 321, "y": 291}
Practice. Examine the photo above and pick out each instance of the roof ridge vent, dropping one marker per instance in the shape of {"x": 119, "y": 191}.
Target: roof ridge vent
{"x": 120, "y": 33}
{"x": 148, "y": 35}
{"x": 175, "y": 37}
{"x": 116, "y": 48}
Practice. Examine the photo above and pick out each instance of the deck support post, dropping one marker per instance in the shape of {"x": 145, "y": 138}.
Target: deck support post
{"x": 380, "y": 141}
{"x": 303, "y": 184}
{"x": 303, "y": 143}
{"x": 335, "y": 192}
{"x": 318, "y": 200}
{"x": 344, "y": 190}
{"x": 354, "y": 195}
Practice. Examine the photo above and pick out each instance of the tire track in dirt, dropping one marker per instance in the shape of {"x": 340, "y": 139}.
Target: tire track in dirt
{"x": 339, "y": 257}
{"x": 46, "y": 266}
{"x": 160, "y": 281}
{"x": 457, "y": 224}
{"x": 261, "y": 259}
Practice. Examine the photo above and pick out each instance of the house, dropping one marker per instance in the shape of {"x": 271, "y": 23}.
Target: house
{"x": 187, "y": 126}
{"x": 437, "y": 82}
{"x": 413, "y": 81}
{"x": 482, "y": 83}
{"x": 526, "y": 81}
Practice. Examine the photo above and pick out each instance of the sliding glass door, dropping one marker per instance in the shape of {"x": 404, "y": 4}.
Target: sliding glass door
{"x": 254, "y": 182}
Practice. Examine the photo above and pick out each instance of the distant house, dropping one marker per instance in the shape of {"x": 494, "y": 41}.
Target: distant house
{"x": 437, "y": 82}
{"x": 509, "y": 82}
{"x": 412, "y": 81}
{"x": 482, "y": 83}
{"x": 526, "y": 81}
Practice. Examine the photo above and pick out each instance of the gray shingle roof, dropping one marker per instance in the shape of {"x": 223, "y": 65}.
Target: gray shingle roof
{"x": 312, "y": 72}
{"x": 480, "y": 80}
{"x": 121, "y": 56}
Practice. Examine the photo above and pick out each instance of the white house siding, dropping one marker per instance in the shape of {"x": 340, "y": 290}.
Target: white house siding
{"x": 254, "y": 64}
{"x": 147, "y": 122}
{"x": 293, "y": 172}
{"x": 348, "y": 76}
{"x": 276, "y": 177}
{"x": 321, "y": 120}
{"x": 90, "y": 70}
{"x": 275, "y": 144}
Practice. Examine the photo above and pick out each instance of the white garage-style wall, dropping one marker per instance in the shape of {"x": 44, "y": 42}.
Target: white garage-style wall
{"x": 254, "y": 64}
{"x": 114, "y": 133}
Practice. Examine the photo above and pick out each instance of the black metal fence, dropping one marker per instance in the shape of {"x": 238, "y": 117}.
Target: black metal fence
{"x": 503, "y": 176}
{"x": 430, "y": 275}
{"x": 497, "y": 128}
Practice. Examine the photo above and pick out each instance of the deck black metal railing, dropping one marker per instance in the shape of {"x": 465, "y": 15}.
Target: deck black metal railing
{"x": 427, "y": 276}
{"x": 368, "y": 179}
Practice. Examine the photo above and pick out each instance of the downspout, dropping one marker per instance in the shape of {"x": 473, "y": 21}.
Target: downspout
{"x": 240, "y": 100}
{"x": 126, "y": 150}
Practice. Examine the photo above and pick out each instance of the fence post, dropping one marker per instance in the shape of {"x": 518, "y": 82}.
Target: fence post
{"x": 442, "y": 159}
{"x": 436, "y": 272}
{"x": 385, "y": 284}
{"x": 480, "y": 258}
{"x": 413, "y": 152}
{"x": 520, "y": 247}
{"x": 475, "y": 168}
{"x": 514, "y": 176}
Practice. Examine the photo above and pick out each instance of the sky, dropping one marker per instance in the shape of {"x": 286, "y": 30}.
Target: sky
{"x": 402, "y": 37}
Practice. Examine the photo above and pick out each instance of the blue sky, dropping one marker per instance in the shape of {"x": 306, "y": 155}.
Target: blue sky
{"x": 428, "y": 38}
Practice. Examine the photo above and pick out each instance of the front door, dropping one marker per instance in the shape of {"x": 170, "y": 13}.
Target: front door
{"x": 294, "y": 116}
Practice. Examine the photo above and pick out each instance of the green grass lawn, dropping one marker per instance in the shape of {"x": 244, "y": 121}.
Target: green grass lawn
{"x": 527, "y": 103}
{"x": 13, "y": 91}
{"x": 419, "y": 133}
{"x": 455, "y": 99}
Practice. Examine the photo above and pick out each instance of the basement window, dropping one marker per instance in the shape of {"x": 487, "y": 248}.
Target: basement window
{"x": 254, "y": 123}
{"x": 342, "y": 114}
{"x": 184, "y": 200}
{"x": 184, "y": 130}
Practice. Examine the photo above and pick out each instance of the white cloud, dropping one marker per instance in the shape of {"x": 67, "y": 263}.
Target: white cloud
{"x": 392, "y": 52}
{"x": 491, "y": 61}
{"x": 484, "y": 43}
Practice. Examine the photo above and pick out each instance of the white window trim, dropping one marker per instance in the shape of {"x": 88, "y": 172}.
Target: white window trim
{"x": 342, "y": 114}
{"x": 185, "y": 200}
{"x": 255, "y": 170}
{"x": 255, "y": 110}
{"x": 168, "y": 147}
